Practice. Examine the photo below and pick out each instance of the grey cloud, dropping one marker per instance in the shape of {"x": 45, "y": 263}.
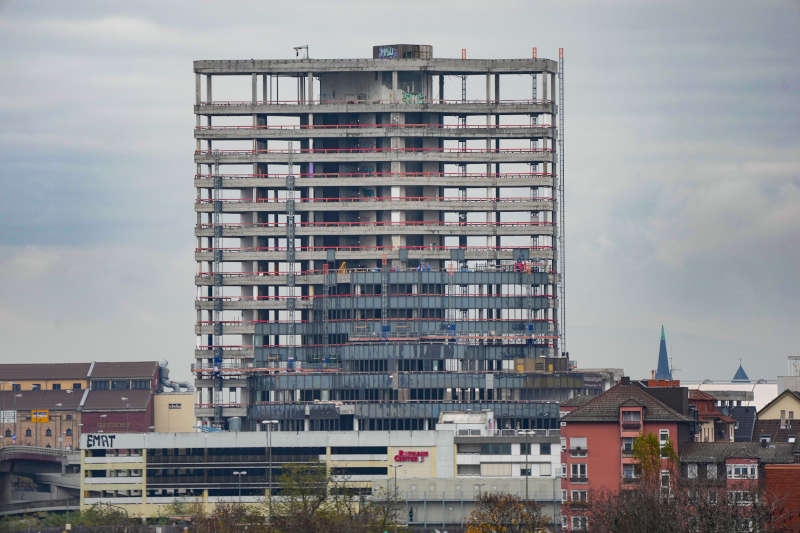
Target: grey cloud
{"x": 682, "y": 165}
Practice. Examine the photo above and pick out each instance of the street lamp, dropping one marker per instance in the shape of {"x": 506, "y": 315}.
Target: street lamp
{"x": 269, "y": 424}
{"x": 14, "y": 438}
{"x": 60, "y": 437}
{"x": 239, "y": 475}
{"x": 395, "y": 477}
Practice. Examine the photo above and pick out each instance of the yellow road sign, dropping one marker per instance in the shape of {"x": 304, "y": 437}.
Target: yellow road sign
{"x": 40, "y": 416}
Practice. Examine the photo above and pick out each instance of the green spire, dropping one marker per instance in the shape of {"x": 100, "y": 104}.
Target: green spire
{"x": 662, "y": 333}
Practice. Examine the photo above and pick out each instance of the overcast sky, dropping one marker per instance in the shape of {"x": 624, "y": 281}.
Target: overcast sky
{"x": 682, "y": 166}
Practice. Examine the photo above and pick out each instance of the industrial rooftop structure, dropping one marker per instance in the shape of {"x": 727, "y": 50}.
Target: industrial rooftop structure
{"x": 375, "y": 245}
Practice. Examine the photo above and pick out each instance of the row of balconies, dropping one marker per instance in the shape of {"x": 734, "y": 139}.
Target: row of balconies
{"x": 362, "y": 179}
{"x": 304, "y": 131}
{"x": 451, "y": 107}
{"x": 452, "y": 204}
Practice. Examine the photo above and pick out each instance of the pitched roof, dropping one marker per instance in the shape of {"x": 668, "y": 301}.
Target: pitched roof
{"x": 32, "y": 371}
{"x": 790, "y": 392}
{"x": 577, "y": 401}
{"x": 605, "y": 408}
{"x": 111, "y": 400}
{"x": 41, "y": 399}
{"x": 125, "y": 369}
{"x": 745, "y": 417}
{"x": 719, "y": 451}
{"x": 663, "y": 371}
{"x": 776, "y": 433}
{"x": 741, "y": 375}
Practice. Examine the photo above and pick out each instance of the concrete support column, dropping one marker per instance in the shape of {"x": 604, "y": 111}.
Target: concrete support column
{"x": 441, "y": 88}
{"x": 254, "y": 87}
{"x": 197, "y": 87}
{"x": 497, "y": 87}
{"x": 488, "y": 88}
{"x": 310, "y": 82}
{"x": 552, "y": 86}
{"x": 264, "y": 89}
{"x": 208, "y": 88}
{"x": 395, "y": 98}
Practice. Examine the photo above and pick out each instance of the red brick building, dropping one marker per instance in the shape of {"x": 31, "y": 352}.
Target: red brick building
{"x": 714, "y": 425}
{"x": 597, "y": 444}
{"x": 78, "y": 398}
{"x": 782, "y": 483}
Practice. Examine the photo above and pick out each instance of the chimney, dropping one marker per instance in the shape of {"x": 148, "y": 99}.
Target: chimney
{"x": 625, "y": 380}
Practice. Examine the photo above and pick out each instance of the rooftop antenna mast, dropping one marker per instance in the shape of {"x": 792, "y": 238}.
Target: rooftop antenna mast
{"x": 561, "y": 237}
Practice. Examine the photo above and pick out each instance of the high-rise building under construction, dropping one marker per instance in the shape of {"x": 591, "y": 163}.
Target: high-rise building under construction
{"x": 378, "y": 241}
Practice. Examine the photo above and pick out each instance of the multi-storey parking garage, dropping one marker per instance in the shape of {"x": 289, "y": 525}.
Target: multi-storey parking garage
{"x": 372, "y": 251}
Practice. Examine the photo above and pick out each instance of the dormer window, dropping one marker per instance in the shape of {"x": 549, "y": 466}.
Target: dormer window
{"x": 631, "y": 419}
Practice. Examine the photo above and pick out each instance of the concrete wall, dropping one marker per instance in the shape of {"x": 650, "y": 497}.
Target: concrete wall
{"x": 174, "y": 412}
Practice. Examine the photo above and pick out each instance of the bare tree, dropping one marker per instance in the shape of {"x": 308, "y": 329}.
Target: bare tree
{"x": 504, "y": 513}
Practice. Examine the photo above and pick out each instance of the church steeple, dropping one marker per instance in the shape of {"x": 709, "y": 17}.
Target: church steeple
{"x": 663, "y": 371}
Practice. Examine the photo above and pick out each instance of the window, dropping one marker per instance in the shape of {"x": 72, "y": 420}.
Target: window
{"x": 525, "y": 448}
{"x": 175, "y": 405}
{"x": 712, "y": 496}
{"x": 578, "y": 472}
{"x": 544, "y": 448}
{"x": 8, "y": 433}
{"x": 663, "y": 438}
{"x": 579, "y": 495}
{"x": 740, "y": 497}
{"x": 711, "y": 471}
{"x": 496, "y": 449}
{"x": 577, "y": 447}
{"x": 77, "y": 386}
{"x": 56, "y": 386}
{"x": 791, "y": 415}
{"x": 630, "y": 472}
{"x": 742, "y": 471}
{"x": 120, "y": 384}
{"x": 28, "y": 432}
{"x": 630, "y": 416}
{"x": 665, "y": 488}
{"x": 563, "y": 444}
{"x": 100, "y": 384}
{"x": 563, "y": 495}
{"x": 564, "y": 521}
{"x": 545, "y": 469}
{"x": 141, "y": 384}
{"x": 68, "y": 417}
{"x": 469, "y": 470}
{"x": 564, "y": 470}
{"x": 627, "y": 445}
{"x": 525, "y": 472}
{"x": 16, "y": 387}
{"x": 68, "y": 432}
{"x": 783, "y": 414}
{"x": 48, "y": 433}
{"x": 691, "y": 470}
{"x": 579, "y": 523}
{"x": 36, "y": 386}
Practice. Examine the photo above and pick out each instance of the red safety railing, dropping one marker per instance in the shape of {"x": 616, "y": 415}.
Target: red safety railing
{"x": 376, "y": 125}
{"x": 431, "y": 339}
{"x": 378, "y": 101}
{"x": 365, "y": 295}
{"x": 342, "y": 320}
{"x": 363, "y": 248}
{"x": 505, "y": 175}
{"x": 525, "y": 267}
{"x": 366, "y": 150}
{"x": 372, "y": 224}
{"x": 379, "y": 199}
